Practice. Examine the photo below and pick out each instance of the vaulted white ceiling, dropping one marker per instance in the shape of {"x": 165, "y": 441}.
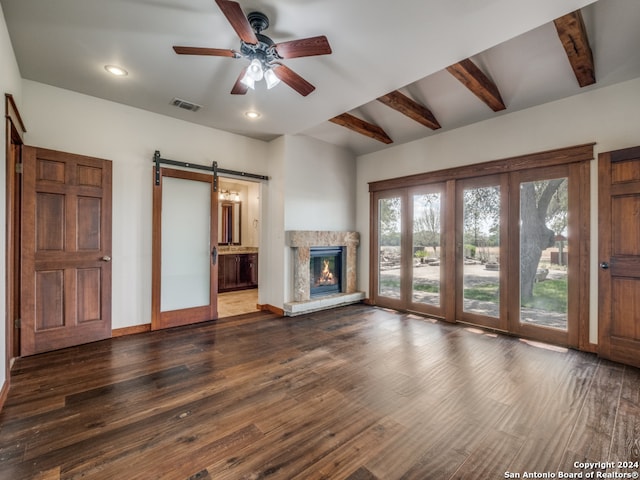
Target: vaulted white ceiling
{"x": 378, "y": 47}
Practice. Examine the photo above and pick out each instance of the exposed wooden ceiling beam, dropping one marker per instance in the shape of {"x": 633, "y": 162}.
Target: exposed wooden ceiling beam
{"x": 412, "y": 109}
{"x": 573, "y": 36}
{"x": 475, "y": 80}
{"x": 365, "y": 128}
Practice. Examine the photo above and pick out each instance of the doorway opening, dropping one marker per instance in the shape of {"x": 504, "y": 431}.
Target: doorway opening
{"x": 238, "y": 246}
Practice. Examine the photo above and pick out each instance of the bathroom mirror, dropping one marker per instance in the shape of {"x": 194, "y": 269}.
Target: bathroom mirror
{"x": 229, "y": 223}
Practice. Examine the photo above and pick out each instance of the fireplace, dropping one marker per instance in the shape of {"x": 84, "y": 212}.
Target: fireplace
{"x": 334, "y": 289}
{"x": 325, "y": 271}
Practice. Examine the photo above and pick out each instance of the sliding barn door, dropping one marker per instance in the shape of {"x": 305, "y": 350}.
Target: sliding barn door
{"x": 185, "y": 270}
{"x": 65, "y": 250}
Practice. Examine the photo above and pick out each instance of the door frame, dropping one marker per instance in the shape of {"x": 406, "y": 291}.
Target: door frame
{"x": 15, "y": 131}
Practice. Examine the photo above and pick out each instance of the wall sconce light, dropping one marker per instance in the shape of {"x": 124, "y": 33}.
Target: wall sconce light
{"x": 227, "y": 195}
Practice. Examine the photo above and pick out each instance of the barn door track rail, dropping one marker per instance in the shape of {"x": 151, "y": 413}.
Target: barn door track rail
{"x": 158, "y": 160}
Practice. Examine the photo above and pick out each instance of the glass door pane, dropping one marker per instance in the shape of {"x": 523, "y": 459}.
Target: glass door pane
{"x": 480, "y": 250}
{"x": 389, "y": 247}
{"x": 544, "y": 250}
{"x": 427, "y": 248}
{"x": 184, "y": 254}
{"x": 186, "y": 246}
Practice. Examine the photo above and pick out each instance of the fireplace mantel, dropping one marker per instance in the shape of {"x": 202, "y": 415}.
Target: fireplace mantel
{"x": 301, "y": 242}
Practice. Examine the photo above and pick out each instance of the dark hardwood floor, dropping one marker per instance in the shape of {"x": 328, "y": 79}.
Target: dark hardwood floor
{"x": 352, "y": 393}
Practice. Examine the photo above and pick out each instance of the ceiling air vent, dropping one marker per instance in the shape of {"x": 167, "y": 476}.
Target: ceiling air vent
{"x": 192, "y": 107}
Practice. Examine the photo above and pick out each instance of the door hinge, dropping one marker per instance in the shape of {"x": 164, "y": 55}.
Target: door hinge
{"x": 18, "y": 167}
{"x": 17, "y": 323}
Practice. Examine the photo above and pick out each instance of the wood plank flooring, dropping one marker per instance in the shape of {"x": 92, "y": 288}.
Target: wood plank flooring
{"x": 352, "y": 393}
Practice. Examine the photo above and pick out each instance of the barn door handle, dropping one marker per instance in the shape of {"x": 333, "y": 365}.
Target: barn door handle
{"x": 106, "y": 258}
{"x": 214, "y": 256}
{"x": 604, "y": 265}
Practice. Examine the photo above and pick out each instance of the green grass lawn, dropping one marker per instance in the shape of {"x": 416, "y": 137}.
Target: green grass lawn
{"x": 550, "y": 295}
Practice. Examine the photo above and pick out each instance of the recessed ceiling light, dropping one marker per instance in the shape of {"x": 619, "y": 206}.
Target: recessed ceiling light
{"x": 252, "y": 114}
{"x": 115, "y": 70}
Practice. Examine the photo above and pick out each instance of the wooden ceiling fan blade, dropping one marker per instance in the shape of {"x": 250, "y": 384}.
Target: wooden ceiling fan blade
{"x": 238, "y": 20}
{"x": 240, "y": 88}
{"x": 213, "y": 52}
{"x": 304, "y": 47}
{"x": 294, "y": 80}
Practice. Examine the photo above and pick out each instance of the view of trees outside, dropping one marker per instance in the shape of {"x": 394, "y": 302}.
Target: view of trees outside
{"x": 543, "y": 250}
{"x": 543, "y": 233}
{"x": 481, "y": 247}
{"x": 427, "y": 220}
{"x": 543, "y": 274}
{"x": 389, "y": 229}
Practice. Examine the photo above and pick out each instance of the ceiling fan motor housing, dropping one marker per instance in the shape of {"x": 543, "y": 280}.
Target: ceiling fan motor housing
{"x": 264, "y": 50}
{"x": 258, "y": 21}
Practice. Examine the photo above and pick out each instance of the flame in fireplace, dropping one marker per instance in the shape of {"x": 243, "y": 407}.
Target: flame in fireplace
{"x": 326, "y": 276}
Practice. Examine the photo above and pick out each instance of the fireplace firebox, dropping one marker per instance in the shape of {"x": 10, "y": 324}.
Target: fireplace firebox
{"x": 325, "y": 274}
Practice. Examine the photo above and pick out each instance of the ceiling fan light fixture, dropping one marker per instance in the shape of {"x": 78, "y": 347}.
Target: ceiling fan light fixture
{"x": 271, "y": 79}
{"x": 248, "y": 81}
{"x": 255, "y": 70}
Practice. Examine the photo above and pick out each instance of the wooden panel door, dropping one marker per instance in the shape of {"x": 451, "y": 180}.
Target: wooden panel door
{"x": 65, "y": 250}
{"x": 619, "y": 251}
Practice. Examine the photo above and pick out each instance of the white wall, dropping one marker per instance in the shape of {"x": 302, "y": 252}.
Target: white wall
{"x": 608, "y": 116}
{"x": 319, "y": 189}
{"x": 71, "y": 122}
{"x": 311, "y": 189}
{"x": 319, "y": 193}
{"x": 9, "y": 83}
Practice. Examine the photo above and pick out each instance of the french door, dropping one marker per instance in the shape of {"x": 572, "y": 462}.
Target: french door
{"x": 545, "y": 252}
{"x": 481, "y": 251}
{"x": 389, "y": 275}
{"x": 185, "y": 270}
{"x": 505, "y": 251}
{"x": 410, "y": 258}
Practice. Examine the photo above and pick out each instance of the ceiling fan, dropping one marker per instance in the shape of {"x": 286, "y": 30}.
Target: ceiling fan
{"x": 263, "y": 53}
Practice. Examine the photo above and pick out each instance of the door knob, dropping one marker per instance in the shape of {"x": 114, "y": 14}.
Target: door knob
{"x": 106, "y": 258}
{"x": 604, "y": 265}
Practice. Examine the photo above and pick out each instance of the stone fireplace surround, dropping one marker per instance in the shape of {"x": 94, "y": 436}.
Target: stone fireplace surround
{"x": 301, "y": 242}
